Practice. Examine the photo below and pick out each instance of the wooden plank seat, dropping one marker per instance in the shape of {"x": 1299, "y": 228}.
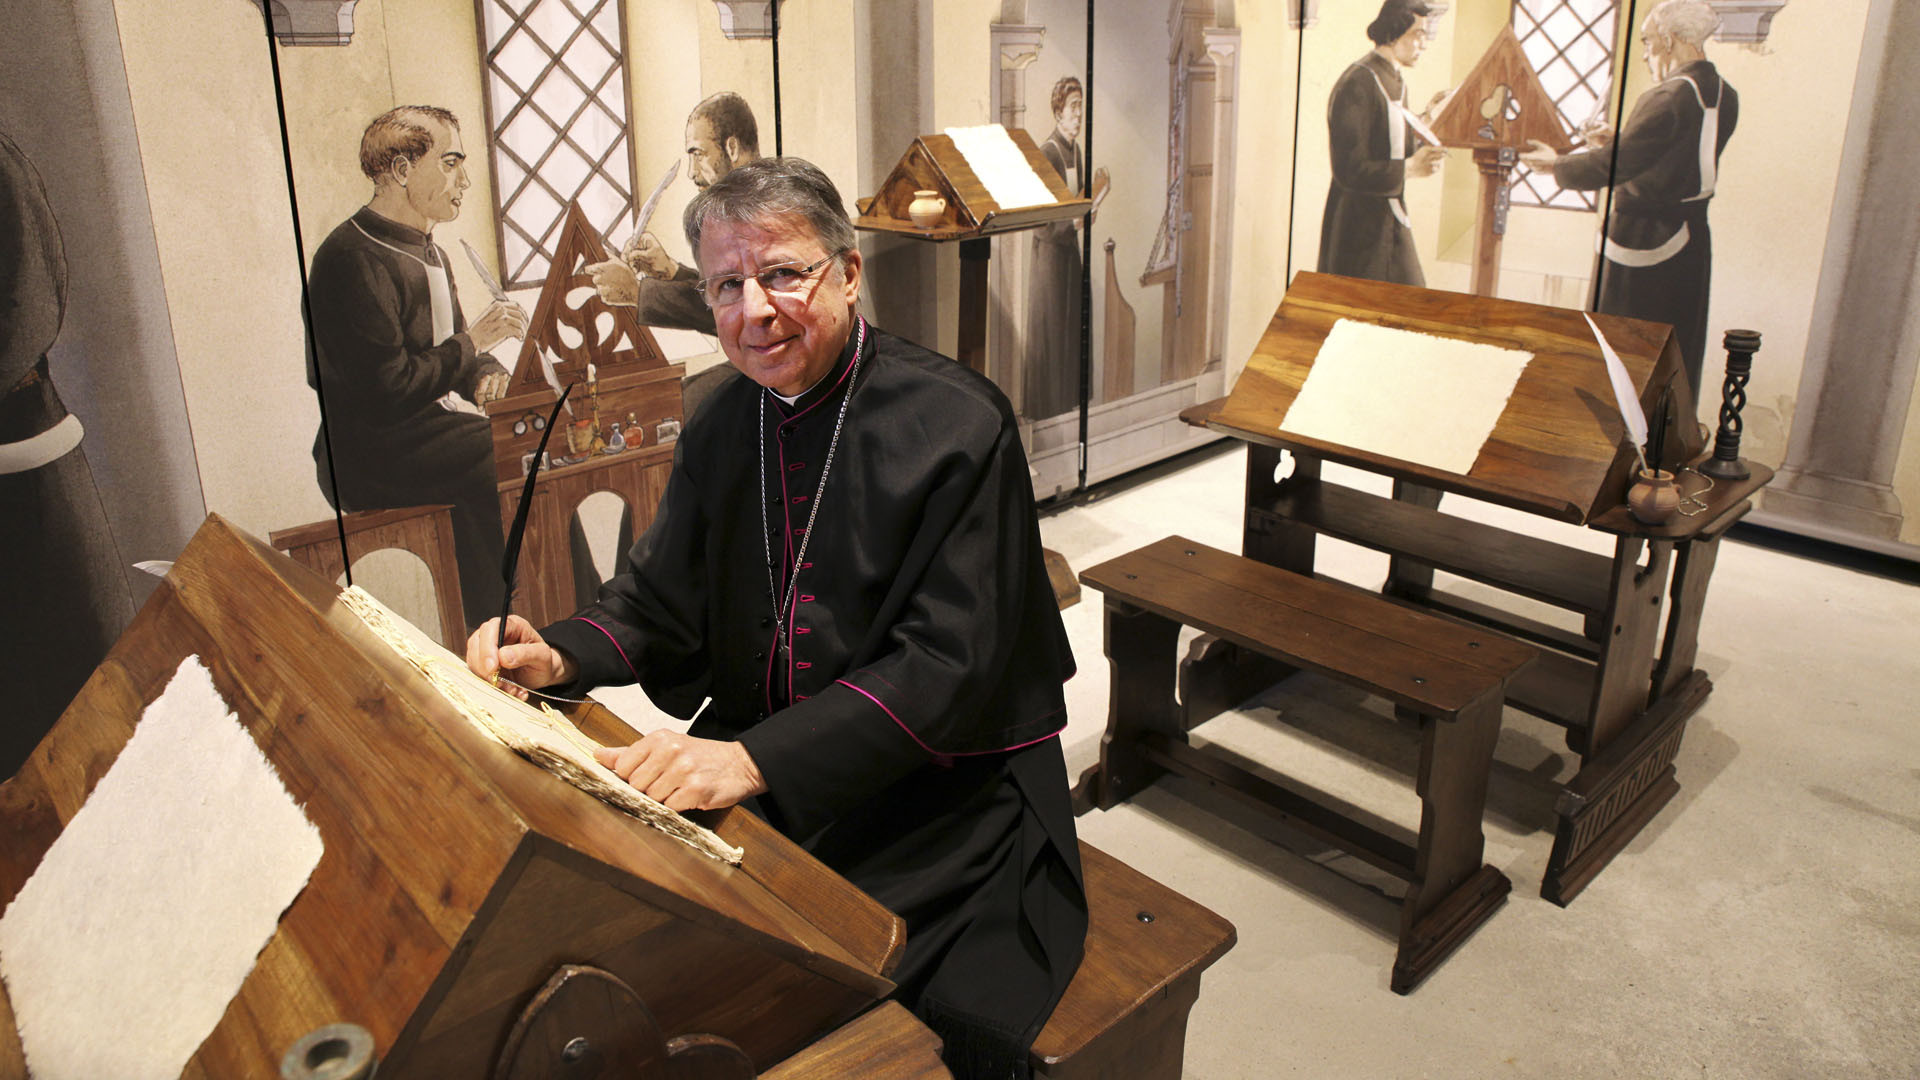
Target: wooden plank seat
{"x": 1124, "y": 1015}
{"x": 426, "y": 531}
{"x": 886, "y": 1042}
{"x": 1452, "y": 677}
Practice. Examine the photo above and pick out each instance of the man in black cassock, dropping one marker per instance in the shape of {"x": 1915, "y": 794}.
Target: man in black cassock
{"x": 400, "y": 372}
{"x": 1372, "y": 150}
{"x": 1657, "y": 262}
{"x": 846, "y": 568}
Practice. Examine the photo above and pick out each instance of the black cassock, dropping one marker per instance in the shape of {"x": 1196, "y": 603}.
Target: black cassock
{"x": 908, "y": 733}
{"x": 1658, "y": 259}
{"x": 381, "y": 370}
{"x": 1364, "y": 231}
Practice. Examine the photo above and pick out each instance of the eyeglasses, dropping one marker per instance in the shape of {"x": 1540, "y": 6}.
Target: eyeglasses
{"x": 780, "y": 279}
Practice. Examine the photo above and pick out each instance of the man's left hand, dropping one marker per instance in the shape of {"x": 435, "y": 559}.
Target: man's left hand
{"x": 684, "y": 772}
{"x": 1539, "y": 157}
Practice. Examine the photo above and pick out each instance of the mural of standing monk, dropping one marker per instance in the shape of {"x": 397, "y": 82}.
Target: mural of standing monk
{"x": 1373, "y": 150}
{"x": 721, "y": 133}
{"x": 1657, "y": 261}
{"x": 401, "y": 374}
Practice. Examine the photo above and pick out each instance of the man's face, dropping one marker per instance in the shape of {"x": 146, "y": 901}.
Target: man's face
{"x": 436, "y": 183}
{"x": 707, "y": 159}
{"x": 1072, "y": 111}
{"x": 1408, "y": 46}
{"x": 1657, "y": 51}
{"x": 784, "y": 343}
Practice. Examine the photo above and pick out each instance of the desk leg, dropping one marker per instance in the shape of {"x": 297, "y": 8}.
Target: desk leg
{"x": 1407, "y": 579}
{"x": 974, "y": 255}
{"x": 1626, "y": 771}
{"x": 1451, "y": 892}
{"x": 1692, "y": 570}
{"x": 1140, "y": 649}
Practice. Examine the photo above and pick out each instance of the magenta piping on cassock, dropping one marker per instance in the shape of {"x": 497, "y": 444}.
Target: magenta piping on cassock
{"x": 616, "y": 644}
{"x": 938, "y": 756}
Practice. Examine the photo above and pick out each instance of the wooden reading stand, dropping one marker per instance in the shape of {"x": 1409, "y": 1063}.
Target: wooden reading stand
{"x": 971, "y": 217}
{"x": 1495, "y": 111}
{"x": 458, "y": 878}
{"x": 1624, "y": 686}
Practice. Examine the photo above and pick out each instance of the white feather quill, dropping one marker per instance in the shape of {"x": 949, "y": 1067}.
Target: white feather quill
{"x": 1623, "y": 394}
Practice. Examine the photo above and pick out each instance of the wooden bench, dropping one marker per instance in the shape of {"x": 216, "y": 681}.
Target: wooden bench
{"x": 1450, "y": 676}
{"x": 1124, "y": 1015}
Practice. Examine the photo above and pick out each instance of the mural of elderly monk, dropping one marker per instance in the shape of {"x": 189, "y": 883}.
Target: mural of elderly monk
{"x": 1657, "y": 261}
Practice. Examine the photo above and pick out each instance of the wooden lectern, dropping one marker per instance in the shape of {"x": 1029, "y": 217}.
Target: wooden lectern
{"x": 1624, "y": 686}
{"x": 1496, "y": 110}
{"x": 934, "y": 163}
{"x": 458, "y": 878}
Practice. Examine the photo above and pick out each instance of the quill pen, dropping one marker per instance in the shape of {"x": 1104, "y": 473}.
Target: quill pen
{"x": 1623, "y": 394}
{"x": 510, "y": 566}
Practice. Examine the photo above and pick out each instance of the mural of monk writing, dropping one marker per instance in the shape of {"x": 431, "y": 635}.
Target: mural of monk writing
{"x": 1373, "y": 150}
{"x": 401, "y": 374}
{"x": 1657, "y": 260}
{"x": 721, "y": 133}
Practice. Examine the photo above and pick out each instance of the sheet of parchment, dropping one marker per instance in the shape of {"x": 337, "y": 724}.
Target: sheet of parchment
{"x": 1402, "y": 394}
{"x": 145, "y": 916}
{"x": 1003, "y": 170}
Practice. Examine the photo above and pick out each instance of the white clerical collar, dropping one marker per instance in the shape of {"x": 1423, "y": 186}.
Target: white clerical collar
{"x": 788, "y": 401}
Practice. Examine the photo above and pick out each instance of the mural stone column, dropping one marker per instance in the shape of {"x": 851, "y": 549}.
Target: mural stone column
{"x": 1857, "y": 382}
{"x": 1015, "y": 47}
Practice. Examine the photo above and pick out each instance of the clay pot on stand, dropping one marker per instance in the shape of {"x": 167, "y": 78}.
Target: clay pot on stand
{"x": 926, "y": 209}
{"x": 1654, "y": 496}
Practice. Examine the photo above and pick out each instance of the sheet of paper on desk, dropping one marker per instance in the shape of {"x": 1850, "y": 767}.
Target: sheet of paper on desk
{"x": 1003, "y": 170}
{"x": 142, "y": 920}
{"x": 1429, "y": 400}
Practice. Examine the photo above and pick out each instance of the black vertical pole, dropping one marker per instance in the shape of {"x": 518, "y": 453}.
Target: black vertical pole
{"x": 777, "y": 151}
{"x": 306, "y": 301}
{"x": 1086, "y": 260}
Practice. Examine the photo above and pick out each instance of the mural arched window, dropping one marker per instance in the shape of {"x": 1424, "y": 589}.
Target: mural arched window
{"x": 1570, "y": 44}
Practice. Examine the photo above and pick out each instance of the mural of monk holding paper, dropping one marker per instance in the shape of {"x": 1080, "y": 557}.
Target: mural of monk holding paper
{"x": 1657, "y": 260}
{"x": 1365, "y": 232}
{"x": 401, "y": 374}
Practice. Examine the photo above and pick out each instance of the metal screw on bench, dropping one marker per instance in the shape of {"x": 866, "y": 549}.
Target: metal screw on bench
{"x": 1726, "y": 463}
{"x": 333, "y": 1052}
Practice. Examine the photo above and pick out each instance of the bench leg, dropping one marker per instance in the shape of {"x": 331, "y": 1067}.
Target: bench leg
{"x": 1451, "y": 891}
{"x": 1140, "y": 649}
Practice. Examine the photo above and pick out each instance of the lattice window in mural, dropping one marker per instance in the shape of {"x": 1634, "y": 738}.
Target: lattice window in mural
{"x": 557, "y": 112}
{"x": 1570, "y": 43}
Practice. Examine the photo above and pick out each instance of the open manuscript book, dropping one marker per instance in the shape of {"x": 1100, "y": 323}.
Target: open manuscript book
{"x": 535, "y": 732}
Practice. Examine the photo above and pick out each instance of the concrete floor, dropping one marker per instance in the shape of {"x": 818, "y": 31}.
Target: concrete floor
{"x": 1765, "y": 924}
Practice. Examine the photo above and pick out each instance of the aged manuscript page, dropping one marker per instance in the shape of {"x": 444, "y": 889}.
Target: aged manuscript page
{"x": 1417, "y": 397}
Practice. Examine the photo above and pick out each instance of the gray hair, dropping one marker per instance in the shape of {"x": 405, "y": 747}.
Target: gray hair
{"x": 1690, "y": 21}
{"x": 772, "y": 187}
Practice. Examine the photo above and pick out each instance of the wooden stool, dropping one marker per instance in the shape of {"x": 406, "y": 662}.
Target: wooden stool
{"x": 426, "y": 531}
{"x": 1451, "y": 677}
{"x": 1124, "y": 1015}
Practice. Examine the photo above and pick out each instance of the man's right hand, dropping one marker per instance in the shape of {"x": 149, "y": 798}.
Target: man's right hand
{"x": 526, "y": 658}
{"x": 616, "y": 282}
{"x": 646, "y": 256}
{"x": 502, "y": 320}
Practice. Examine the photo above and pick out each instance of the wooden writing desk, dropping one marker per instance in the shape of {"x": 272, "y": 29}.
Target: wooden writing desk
{"x": 1623, "y": 686}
